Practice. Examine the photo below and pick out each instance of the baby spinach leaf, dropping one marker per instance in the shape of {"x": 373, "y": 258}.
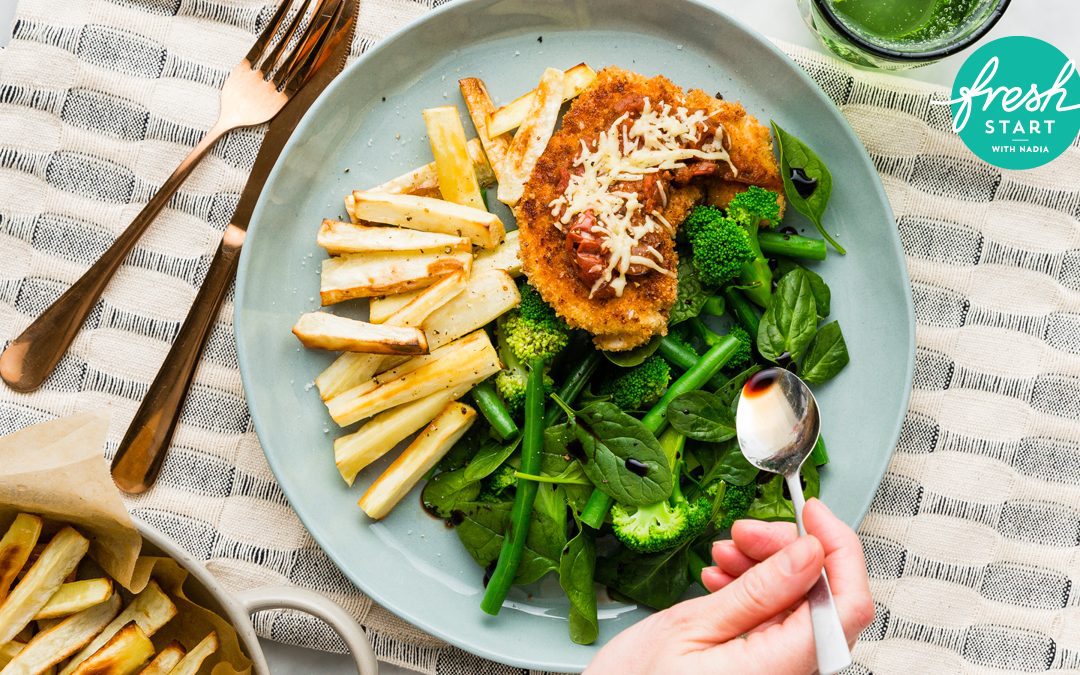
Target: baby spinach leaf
{"x": 657, "y": 580}
{"x": 770, "y": 503}
{"x": 794, "y": 154}
{"x": 701, "y": 416}
{"x": 822, "y": 294}
{"x": 690, "y": 296}
{"x": 811, "y": 480}
{"x": 790, "y": 322}
{"x": 480, "y": 528}
{"x": 577, "y": 567}
{"x": 610, "y": 437}
{"x": 489, "y": 457}
{"x": 827, "y": 355}
{"x": 447, "y": 491}
{"x": 733, "y": 468}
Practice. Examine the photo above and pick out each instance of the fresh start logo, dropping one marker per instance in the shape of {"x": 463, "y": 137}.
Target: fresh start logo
{"x": 1016, "y": 102}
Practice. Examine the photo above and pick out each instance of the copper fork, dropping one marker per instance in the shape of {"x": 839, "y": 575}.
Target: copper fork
{"x": 258, "y": 87}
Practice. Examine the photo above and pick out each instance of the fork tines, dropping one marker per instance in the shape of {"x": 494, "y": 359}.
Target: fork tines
{"x": 290, "y": 59}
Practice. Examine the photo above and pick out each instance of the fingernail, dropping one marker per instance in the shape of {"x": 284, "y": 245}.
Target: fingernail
{"x": 799, "y": 556}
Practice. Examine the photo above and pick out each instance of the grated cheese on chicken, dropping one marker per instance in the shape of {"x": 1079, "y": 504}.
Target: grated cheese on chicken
{"x": 660, "y": 139}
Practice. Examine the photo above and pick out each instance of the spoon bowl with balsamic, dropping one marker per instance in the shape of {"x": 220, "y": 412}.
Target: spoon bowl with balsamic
{"x": 778, "y": 423}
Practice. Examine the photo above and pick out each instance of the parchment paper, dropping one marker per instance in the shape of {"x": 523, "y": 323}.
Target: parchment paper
{"x": 56, "y": 470}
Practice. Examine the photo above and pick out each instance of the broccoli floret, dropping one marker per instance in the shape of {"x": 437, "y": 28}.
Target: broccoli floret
{"x": 640, "y": 386}
{"x": 500, "y": 480}
{"x": 744, "y": 355}
{"x": 664, "y": 525}
{"x": 719, "y": 247}
{"x": 533, "y": 331}
{"x": 755, "y": 207}
{"x": 734, "y": 503}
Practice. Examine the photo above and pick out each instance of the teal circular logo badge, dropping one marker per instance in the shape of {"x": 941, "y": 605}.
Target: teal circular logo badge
{"x": 1016, "y": 102}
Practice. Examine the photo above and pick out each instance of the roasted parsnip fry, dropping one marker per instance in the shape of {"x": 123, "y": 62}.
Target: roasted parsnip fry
{"x": 191, "y": 663}
{"x": 151, "y": 609}
{"x": 322, "y": 330}
{"x": 338, "y": 237}
{"x": 76, "y": 596}
{"x": 52, "y": 646}
{"x": 381, "y": 433}
{"x": 424, "y": 181}
{"x": 487, "y": 297}
{"x": 532, "y": 136}
{"x": 166, "y": 660}
{"x": 457, "y": 177}
{"x": 15, "y": 548}
{"x": 351, "y": 369}
{"x": 513, "y": 114}
{"x": 10, "y": 650}
{"x": 124, "y": 653}
{"x": 431, "y": 215}
{"x": 480, "y": 108}
{"x": 59, "y": 557}
{"x": 363, "y": 275}
{"x": 503, "y": 257}
{"x": 464, "y": 362}
{"x": 417, "y": 459}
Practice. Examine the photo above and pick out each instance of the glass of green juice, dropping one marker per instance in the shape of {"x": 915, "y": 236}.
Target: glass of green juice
{"x": 899, "y": 34}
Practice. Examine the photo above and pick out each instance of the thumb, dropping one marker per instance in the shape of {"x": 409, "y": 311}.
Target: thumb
{"x": 767, "y": 589}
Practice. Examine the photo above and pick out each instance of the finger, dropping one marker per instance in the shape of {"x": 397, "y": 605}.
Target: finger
{"x": 730, "y": 559}
{"x": 769, "y": 588}
{"x": 783, "y": 647}
{"x": 713, "y": 579}
{"x": 758, "y": 540}
{"x": 845, "y": 565}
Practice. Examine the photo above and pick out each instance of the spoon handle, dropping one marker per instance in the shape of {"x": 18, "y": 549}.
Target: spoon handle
{"x": 833, "y": 654}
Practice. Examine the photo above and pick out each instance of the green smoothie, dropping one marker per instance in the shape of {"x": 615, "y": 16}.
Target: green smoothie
{"x": 905, "y": 21}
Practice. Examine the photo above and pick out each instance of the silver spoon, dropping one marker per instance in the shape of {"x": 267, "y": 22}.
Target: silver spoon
{"x": 778, "y": 425}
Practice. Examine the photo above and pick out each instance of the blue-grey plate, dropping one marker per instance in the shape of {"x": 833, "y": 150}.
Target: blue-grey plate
{"x": 367, "y": 128}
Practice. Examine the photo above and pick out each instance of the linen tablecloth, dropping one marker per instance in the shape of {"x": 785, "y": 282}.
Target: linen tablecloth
{"x": 972, "y": 539}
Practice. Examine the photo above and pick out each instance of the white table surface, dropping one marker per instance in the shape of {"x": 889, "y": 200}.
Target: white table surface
{"x": 1052, "y": 20}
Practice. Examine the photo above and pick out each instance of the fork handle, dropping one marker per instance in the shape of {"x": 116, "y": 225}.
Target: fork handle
{"x": 142, "y": 452}
{"x": 32, "y": 356}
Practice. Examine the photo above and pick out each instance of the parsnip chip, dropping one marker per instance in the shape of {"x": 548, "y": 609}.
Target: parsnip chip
{"x": 338, "y": 237}
{"x": 532, "y": 136}
{"x": 431, "y": 215}
{"x": 75, "y": 596}
{"x": 165, "y": 660}
{"x": 191, "y": 663}
{"x": 57, "y": 560}
{"x": 15, "y": 547}
{"x": 363, "y": 275}
{"x": 151, "y": 609}
{"x": 457, "y": 177}
{"x": 417, "y": 459}
{"x": 321, "y": 330}
{"x": 123, "y": 654}
{"x": 480, "y": 108}
{"x": 462, "y": 362}
{"x": 504, "y": 257}
{"x": 487, "y": 297}
{"x": 351, "y": 369}
{"x": 514, "y": 113}
{"x": 52, "y": 646}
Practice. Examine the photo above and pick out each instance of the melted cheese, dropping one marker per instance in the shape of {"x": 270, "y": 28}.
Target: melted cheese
{"x": 661, "y": 138}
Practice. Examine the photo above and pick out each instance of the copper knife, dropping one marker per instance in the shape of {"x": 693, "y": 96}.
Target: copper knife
{"x": 139, "y": 458}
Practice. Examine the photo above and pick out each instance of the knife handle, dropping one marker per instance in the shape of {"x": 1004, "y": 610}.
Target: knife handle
{"x": 142, "y": 452}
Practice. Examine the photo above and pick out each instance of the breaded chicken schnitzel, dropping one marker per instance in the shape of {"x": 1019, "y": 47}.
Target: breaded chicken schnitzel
{"x": 599, "y": 212}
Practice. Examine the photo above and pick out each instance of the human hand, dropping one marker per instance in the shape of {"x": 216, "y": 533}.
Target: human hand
{"x": 758, "y": 590}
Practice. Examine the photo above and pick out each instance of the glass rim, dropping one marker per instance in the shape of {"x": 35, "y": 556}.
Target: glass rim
{"x": 895, "y": 54}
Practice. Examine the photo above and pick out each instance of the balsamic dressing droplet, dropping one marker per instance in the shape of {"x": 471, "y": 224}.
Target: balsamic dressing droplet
{"x": 487, "y": 573}
{"x": 787, "y": 231}
{"x": 760, "y": 382}
{"x": 804, "y": 184}
{"x": 637, "y": 467}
